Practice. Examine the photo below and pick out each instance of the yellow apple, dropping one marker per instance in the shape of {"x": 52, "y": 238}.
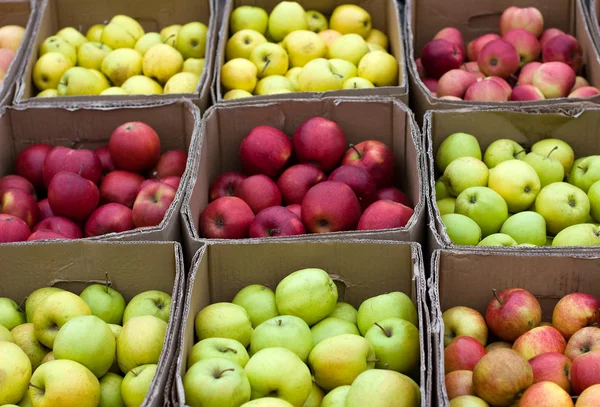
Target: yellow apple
{"x": 317, "y": 22}
{"x": 48, "y": 93}
{"x": 72, "y": 36}
{"x": 329, "y": 36}
{"x": 122, "y": 32}
{"x": 115, "y": 90}
{"x": 239, "y": 73}
{"x": 100, "y": 75}
{"x": 357, "y": 83}
{"x": 91, "y": 54}
{"x": 344, "y": 68}
{"x": 351, "y": 47}
{"x": 169, "y": 34}
{"x": 49, "y": 69}
{"x": 236, "y": 94}
{"x": 59, "y": 44}
{"x": 270, "y": 59}
{"x": 121, "y": 64}
{"x": 351, "y": 19}
{"x": 248, "y": 17}
{"x": 15, "y": 373}
{"x": 78, "y": 81}
{"x": 161, "y": 62}
{"x": 241, "y": 44}
{"x": 378, "y": 37}
{"x": 147, "y": 41}
{"x": 273, "y": 83}
{"x": 183, "y": 82}
{"x": 95, "y": 33}
{"x": 375, "y": 47}
{"x": 191, "y": 40}
{"x": 193, "y": 65}
{"x": 141, "y": 85}
{"x": 319, "y": 76}
{"x": 380, "y": 68}
{"x": 11, "y": 36}
{"x": 292, "y": 75}
{"x": 287, "y": 16}
{"x": 303, "y": 46}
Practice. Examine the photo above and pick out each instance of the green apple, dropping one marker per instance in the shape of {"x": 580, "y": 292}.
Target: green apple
{"x": 526, "y": 227}
{"x": 273, "y": 84}
{"x": 248, "y": 17}
{"x": 136, "y": 384}
{"x": 303, "y": 46}
{"x": 502, "y": 150}
{"x": 25, "y": 401}
{"x": 594, "y": 197}
{"x": 338, "y": 360}
{"x": 72, "y": 36}
{"x": 285, "y": 331}
{"x": 278, "y": 372}
{"x": 147, "y": 41}
{"x": 585, "y": 173}
{"x": 242, "y": 43}
{"x": 380, "y": 68}
{"x": 463, "y": 173}
{"x": 446, "y": 206}
{"x": 216, "y": 382}
{"x": 224, "y": 320}
{"x": 498, "y": 239}
{"x": 239, "y": 73}
{"x": 121, "y": 64}
{"x": 384, "y": 306}
{"x": 48, "y": 93}
{"x": 182, "y": 82}
{"x": 391, "y": 388}
{"x": 24, "y": 336}
{"x": 152, "y": 302}
{"x": 91, "y": 54}
{"x": 94, "y": 33}
{"x": 332, "y": 326}
{"x": 49, "y": 69}
{"x": 161, "y": 62}
{"x": 122, "y": 32}
{"x": 583, "y": 234}
{"x": 64, "y": 383}
{"x": 5, "y": 335}
{"x": 336, "y": 397}
{"x": 78, "y": 81}
{"x": 349, "y": 47}
{"x": 140, "y": 85}
{"x": 105, "y": 302}
{"x": 562, "y": 205}
{"x": 286, "y": 17}
{"x": 516, "y": 182}
{"x": 441, "y": 191}
{"x": 344, "y": 68}
{"x": 267, "y": 402}
{"x": 317, "y": 22}
{"x": 309, "y": 294}
{"x": 461, "y": 229}
{"x": 193, "y": 65}
{"x": 58, "y": 44}
{"x": 379, "y": 38}
{"x": 55, "y": 311}
{"x": 114, "y": 90}
{"x": 564, "y": 153}
{"x": 15, "y": 372}
{"x": 140, "y": 342}
{"x": 87, "y": 340}
{"x": 104, "y": 83}
{"x": 191, "y": 40}
{"x": 397, "y": 345}
{"x": 270, "y": 59}
{"x": 319, "y": 76}
{"x": 315, "y": 398}
{"x": 110, "y": 391}
{"x": 485, "y": 206}
{"x": 237, "y": 94}
{"x": 455, "y": 146}
{"x": 350, "y": 18}
{"x": 375, "y": 47}
{"x": 10, "y": 313}
{"x": 218, "y": 348}
{"x": 116, "y": 331}
{"x": 259, "y": 302}
{"x": 345, "y": 311}
{"x": 169, "y": 34}
{"x": 357, "y": 83}
{"x": 549, "y": 169}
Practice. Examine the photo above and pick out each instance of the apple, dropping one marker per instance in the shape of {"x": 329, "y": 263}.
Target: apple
{"x": 450, "y": 34}
{"x": 45, "y": 234}
{"x": 584, "y": 234}
{"x": 270, "y": 59}
{"x": 526, "y": 44}
{"x": 345, "y": 311}
{"x": 527, "y": 72}
{"x": 315, "y": 398}
{"x": 49, "y": 69}
{"x": 589, "y": 396}
{"x": 517, "y": 183}
{"x": 503, "y": 150}
{"x": 13, "y": 229}
{"x": 16, "y": 202}
{"x": 45, "y": 210}
{"x": 84, "y": 162}
{"x": 440, "y": 56}
{"x": 23, "y": 335}
{"x": 152, "y": 302}
{"x": 554, "y": 79}
{"x": 284, "y": 331}
{"x": 248, "y": 17}
{"x": 552, "y": 367}
{"x": 239, "y": 73}
{"x": 498, "y": 239}
{"x": 241, "y": 44}
{"x": 474, "y": 47}
{"x": 224, "y": 320}
{"x": 379, "y": 68}
{"x": 227, "y": 217}
{"x": 546, "y": 394}
{"x": 265, "y": 150}
{"x": 584, "y": 92}
{"x": 259, "y": 192}
{"x": 498, "y": 58}
{"x": 459, "y": 383}
{"x": 321, "y": 142}
{"x": 585, "y": 173}
{"x": 147, "y": 41}
{"x": 393, "y": 194}
{"x": 259, "y": 302}
{"x": 17, "y": 182}
{"x": 559, "y": 150}
{"x": 332, "y": 326}
{"x": 140, "y": 342}
{"x": 296, "y": 209}
{"x": 359, "y": 180}
{"x": 11, "y": 36}
{"x": 391, "y": 305}
{"x": 432, "y": 84}
{"x": 396, "y": 344}
{"x": 446, "y": 206}
{"x": 455, "y": 83}
{"x": 104, "y": 154}
{"x": 120, "y": 187}
{"x": 218, "y": 348}
{"x": 35, "y": 298}
{"x": 226, "y": 184}
{"x": 548, "y": 34}
{"x": 274, "y": 84}
{"x": 584, "y": 371}
{"x": 62, "y": 225}
{"x": 319, "y": 75}
{"x": 562, "y": 205}
{"x": 336, "y": 397}
{"x": 304, "y": 46}
{"x": 136, "y": 384}
{"x": 121, "y": 32}
{"x": 376, "y": 157}
{"x": 486, "y": 91}
{"x": 575, "y": 311}
{"x": 542, "y": 339}
{"x": 583, "y": 341}
{"x": 105, "y": 302}
{"x": 512, "y": 312}
{"x": 275, "y": 221}
{"x": 91, "y": 54}
{"x": 191, "y": 40}
{"x": 455, "y": 146}
{"x": 295, "y": 182}
{"x": 81, "y": 81}
{"x": 563, "y": 48}
{"x": 267, "y": 402}
{"x": 461, "y": 229}
{"x": 62, "y": 190}
{"x": 385, "y": 215}
{"x": 134, "y": 146}
{"x": 161, "y": 62}
{"x": 30, "y": 161}
{"x": 350, "y": 18}
{"x": 194, "y": 65}
{"x": 109, "y": 218}
{"x": 526, "y": 227}
{"x": 10, "y": 314}
{"x": 464, "y": 321}
{"x": 389, "y": 386}
{"x": 152, "y": 203}
{"x": 580, "y": 82}
{"x": 463, "y": 173}
{"x": 285, "y": 18}
{"x": 462, "y": 353}
{"x": 330, "y": 206}
{"x": 529, "y": 18}
{"x": 468, "y": 401}
{"x": 548, "y": 168}
{"x": 485, "y": 206}
{"x": 16, "y": 372}
{"x": 171, "y": 163}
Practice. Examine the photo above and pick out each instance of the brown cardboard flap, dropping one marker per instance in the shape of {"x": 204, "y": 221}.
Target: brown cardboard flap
{"x": 132, "y": 268}
{"x": 220, "y": 270}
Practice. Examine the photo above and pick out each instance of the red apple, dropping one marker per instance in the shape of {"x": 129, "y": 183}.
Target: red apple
{"x": 420, "y": 69}
{"x": 498, "y": 345}
{"x": 507, "y": 88}
{"x": 529, "y": 18}
{"x": 459, "y": 383}
{"x": 296, "y": 209}
{"x": 276, "y": 221}
{"x": 265, "y": 150}
{"x": 464, "y": 321}
{"x": 526, "y": 92}
{"x": 589, "y": 397}
{"x": 585, "y": 92}
{"x": 539, "y": 340}
{"x": 104, "y": 155}
{"x": 512, "y": 312}
{"x": 19, "y": 203}
{"x": 72, "y": 196}
{"x": 134, "y": 146}
{"x": 330, "y": 206}
{"x": 527, "y": 72}
{"x": 17, "y": 182}
{"x": 385, "y": 215}
{"x": 474, "y": 47}
{"x": 554, "y": 79}
{"x": 376, "y": 158}
{"x": 359, "y": 180}
{"x": 144, "y": 184}
{"x": 575, "y": 311}
{"x": 498, "y": 58}
{"x": 225, "y": 184}
{"x": 45, "y": 210}
{"x": 486, "y": 91}
{"x": 548, "y": 34}
{"x": 171, "y": 163}
{"x": 440, "y": 56}
{"x": 580, "y": 82}
{"x": 552, "y": 367}
{"x": 321, "y": 142}
{"x": 471, "y": 67}
{"x": 6, "y": 57}
{"x": 173, "y": 180}
{"x": 583, "y": 341}
{"x": 452, "y": 35}
{"x": 259, "y": 192}
{"x": 527, "y": 45}
{"x": 29, "y": 164}
{"x": 45, "y": 234}
{"x": 63, "y": 159}
{"x": 431, "y": 84}
{"x": 120, "y": 187}
{"x": 152, "y": 203}
{"x": 109, "y": 218}
{"x": 585, "y": 371}
{"x": 393, "y": 194}
{"x": 455, "y": 83}
{"x": 13, "y": 229}
{"x": 62, "y": 225}
{"x": 227, "y": 217}
{"x": 545, "y": 394}
{"x": 564, "y": 48}
{"x": 462, "y": 353}
{"x": 295, "y": 182}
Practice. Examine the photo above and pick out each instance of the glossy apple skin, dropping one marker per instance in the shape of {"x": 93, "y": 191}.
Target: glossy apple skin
{"x": 265, "y": 150}
{"x": 276, "y": 221}
{"x": 439, "y": 56}
{"x": 259, "y": 192}
{"x": 548, "y": 34}
{"x": 104, "y": 155}
{"x": 528, "y": 18}
{"x": 564, "y": 48}
{"x": 385, "y": 215}
{"x": 452, "y": 35}
{"x": 554, "y": 79}
{"x": 321, "y": 142}
{"x": 585, "y": 371}
{"x": 499, "y": 58}
{"x": 13, "y": 229}
{"x": 459, "y": 383}
{"x": 539, "y": 340}
{"x": 377, "y": 158}
{"x": 584, "y": 92}
{"x": 583, "y": 341}
{"x": 455, "y": 83}
{"x": 359, "y": 180}
{"x": 545, "y": 394}
{"x": 109, "y": 218}
{"x": 120, "y": 187}
{"x": 526, "y": 73}
{"x": 486, "y": 91}
{"x": 575, "y": 311}
{"x": 295, "y": 182}
{"x": 21, "y": 204}
{"x": 171, "y": 163}
{"x": 17, "y": 182}
{"x": 330, "y": 206}
{"x": 474, "y": 47}
{"x": 45, "y": 234}
{"x": 83, "y": 162}
{"x": 462, "y": 353}
{"x": 152, "y": 203}
{"x": 227, "y": 217}
{"x": 29, "y": 164}
{"x": 552, "y": 367}
{"x": 45, "y": 210}
{"x": 526, "y": 92}
{"x": 393, "y": 194}
{"x": 589, "y": 397}
{"x": 62, "y": 225}
{"x": 72, "y": 196}
{"x": 296, "y": 209}
{"x": 134, "y": 146}
{"x": 514, "y": 312}
{"x": 527, "y": 45}
{"x": 225, "y": 184}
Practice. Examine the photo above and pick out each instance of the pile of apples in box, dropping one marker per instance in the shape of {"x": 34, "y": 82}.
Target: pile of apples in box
{"x": 507, "y": 66}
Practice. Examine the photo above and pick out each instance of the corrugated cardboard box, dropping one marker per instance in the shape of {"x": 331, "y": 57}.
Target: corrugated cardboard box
{"x": 176, "y": 123}
{"x": 467, "y": 278}
{"x": 424, "y": 18}
{"x": 132, "y": 269}
{"x": 592, "y": 13}
{"x": 153, "y": 15}
{"x": 385, "y": 15}
{"x": 219, "y": 271}
{"x": 388, "y": 121}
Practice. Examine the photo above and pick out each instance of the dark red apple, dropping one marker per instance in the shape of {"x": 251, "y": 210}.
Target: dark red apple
{"x": 72, "y": 196}
{"x": 276, "y": 221}
{"x": 548, "y": 34}
{"x": 440, "y": 56}
{"x": 173, "y": 180}
{"x": 45, "y": 234}
{"x": 499, "y": 58}
{"x": 17, "y": 182}
{"x": 83, "y": 162}
{"x": 134, "y": 146}
{"x": 45, "y": 210}
{"x": 330, "y": 206}
{"x": 13, "y": 229}
{"x": 295, "y": 182}
{"x": 265, "y": 150}
{"x": 453, "y": 35}
{"x": 376, "y": 158}
{"x": 29, "y": 164}
{"x": 120, "y": 187}
{"x": 431, "y": 84}
{"x": 321, "y": 142}
{"x": 171, "y": 163}
{"x": 19, "y": 203}
{"x": 62, "y": 225}
{"x": 359, "y": 180}
{"x": 385, "y": 215}
{"x": 393, "y": 194}
{"x": 296, "y": 209}
{"x": 225, "y": 184}
{"x": 109, "y": 218}
{"x": 564, "y": 48}
{"x": 152, "y": 204}
{"x": 259, "y": 192}
{"x": 104, "y": 155}
{"x": 227, "y": 217}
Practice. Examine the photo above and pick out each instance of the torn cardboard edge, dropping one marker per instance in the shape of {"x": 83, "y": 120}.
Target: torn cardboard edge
{"x": 47, "y": 20}
{"x": 202, "y": 260}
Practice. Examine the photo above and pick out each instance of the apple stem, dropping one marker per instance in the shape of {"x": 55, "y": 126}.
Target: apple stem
{"x": 35, "y": 387}
{"x": 383, "y": 329}
{"x": 496, "y": 296}
{"x": 81, "y": 169}
{"x": 232, "y": 350}
{"x": 551, "y": 151}
{"x": 106, "y": 281}
{"x": 355, "y": 149}
{"x": 169, "y": 37}
{"x": 21, "y": 305}
{"x": 125, "y": 366}
{"x": 267, "y": 64}
{"x": 372, "y": 360}
{"x": 519, "y": 152}
{"x": 155, "y": 175}
{"x": 226, "y": 370}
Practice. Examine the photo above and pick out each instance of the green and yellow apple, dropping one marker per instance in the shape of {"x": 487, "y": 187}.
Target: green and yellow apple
{"x": 441, "y": 191}
{"x": 583, "y": 234}
{"x": 485, "y": 206}
{"x": 498, "y": 239}
{"x": 292, "y": 75}
{"x": 564, "y": 153}
{"x": 380, "y": 68}
{"x": 10, "y": 313}
{"x": 80, "y": 81}
{"x": 182, "y": 82}
{"x": 193, "y": 65}
{"x": 110, "y": 391}
{"x": 147, "y": 41}
{"x": 270, "y": 59}
{"x": 36, "y": 297}
{"x": 379, "y": 38}
{"x": 548, "y": 169}
{"x": 397, "y": 345}
{"x": 516, "y": 182}
{"x": 24, "y": 336}
{"x": 49, "y": 356}
{"x": 502, "y": 150}
{"x": 48, "y": 93}
{"x": 349, "y": 47}
{"x": 336, "y": 397}
{"x": 267, "y": 402}
{"x": 239, "y": 73}
{"x": 351, "y": 19}
{"x": 58, "y": 44}
{"x": 152, "y": 302}
{"x": 122, "y": 32}
{"x": 317, "y": 22}
{"x": 259, "y": 302}
{"x": 72, "y": 36}
{"x": 161, "y": 62}
{"x": 446, "y": 206}
{"x": 526, "y": 227}
{"x": 319, "y": 76}
{"x": 455, "y": 146}
{"x": 94, "y": 33}
{"x": 375, "y": 47}
{"x": 303, "y": 46}
{"x": 562, "y": 205}
{"x": 315, "y": 398}
{"x": 344, "y": 311}
{"x": 55, "y": 311}
{"x": 121, "y": 64}
{"x": 91, "y": 54}
{"x": 248, "y": 17}
{"x": 357, "y": 83}
{"x": 114, "y": 90}
{"x": 332, "y": 326}
{"x": 224, "y": 320}
{"x": 105, "y": 302}
{"x": 218, "y": 348}
{"x": 344, "y": 68}
{"x": 25, "y": 401}
{"x": 105, "y": 84}
{"x": 392, "y": 388}
{"x": 140, "y": 85}
{"x": 237, "y": 94}
{"x": 140, "y": 342}
{"x": 285, "y": 331}
{"x": 49, "y": 69}
{"x": 464, "y": 321}
{"x": 5, "y": 335}
{"x": 136, "y": 384}
{"x": 169, "y": 34}
{"x": 585, "y": 173}
{"x": 391, "y": 305}
{"x": 286, "y": 17}
{"x": 15, "y": 372}
{"x": 241, "y": 44}
{"x": 594, "y": 197}
{"x": 463, "y": 173}
{"x": 191, "y": 40}
{"x": 461, "y": 229}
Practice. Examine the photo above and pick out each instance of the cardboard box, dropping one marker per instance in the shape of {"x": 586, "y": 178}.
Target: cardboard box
{"x": 224, "y": 127}
{"x": 176, "y": 123}
{"x": 424, "y": 18}
{"x": 467, "y": 278}
{"x": 219, "y": 271}
{"x": 132, "y": 269}
{"x": 591, "y": 9}
{"x": 153, "y": 15}
{"x": 385, "y": 15}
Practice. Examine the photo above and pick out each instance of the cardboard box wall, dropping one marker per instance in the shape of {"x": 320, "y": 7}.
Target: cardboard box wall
{"x": 132, "y": 269}
{"x": 424, "y": 18}
{"x": 385, "y": 16}
{"x": 225, "y": 126}
{"x": 176, "y": 123}
{"x": 220, "y": 270}
{"x": 466, "y": 278}
{"x": 153, "y": 15}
